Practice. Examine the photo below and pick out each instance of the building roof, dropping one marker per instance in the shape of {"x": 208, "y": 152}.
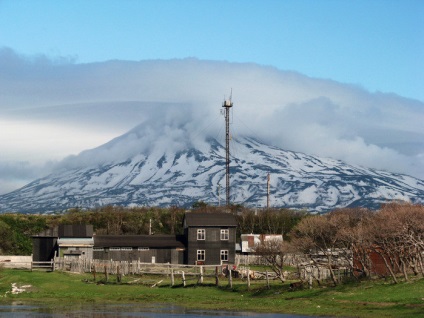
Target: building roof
{"x": 150, "y": 241}
{"x": 75, "y": 230}
{"x": 68, "y": 230}
{"x": 75, "y": 242}
{"x": 51, "y": 232}
{"x": 209, "y": 219}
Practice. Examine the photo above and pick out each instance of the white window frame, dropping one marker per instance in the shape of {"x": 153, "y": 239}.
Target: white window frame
{"x": 201, "y": 234}
{"x": 126, "y": 248}
{"x": 114, "y": 248}
{"x": 224, "y": 255}
{"x": 225, "y": 234}
{"x": 201, "y": 255}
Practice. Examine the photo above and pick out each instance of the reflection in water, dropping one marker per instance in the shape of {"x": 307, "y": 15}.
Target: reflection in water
{"x": 122, "y": 310}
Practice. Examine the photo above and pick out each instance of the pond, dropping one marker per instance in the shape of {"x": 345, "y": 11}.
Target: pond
{"x": 123, "y": 310}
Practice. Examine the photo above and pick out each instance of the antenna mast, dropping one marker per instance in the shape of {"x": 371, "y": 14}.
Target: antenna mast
{"x": 267, "y": 191}
{"x": 227, "y": 105}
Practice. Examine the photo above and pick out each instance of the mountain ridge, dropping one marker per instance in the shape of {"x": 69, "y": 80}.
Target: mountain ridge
{"x": 160, "y": 175}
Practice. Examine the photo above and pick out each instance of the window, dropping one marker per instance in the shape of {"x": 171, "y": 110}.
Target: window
{"x": 224, "y": 255}
{"x": 126, "y": 248}
{"x": 114, "y": 249}
{"x": 143, "y": 248}
{"x": 201, "y": 234}
{"x": 200, "y": 255}
{"x": 225, "y": 235}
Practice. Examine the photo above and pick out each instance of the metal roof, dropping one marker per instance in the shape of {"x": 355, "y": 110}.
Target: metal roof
{"x": 75, "y": 242}
{"x": 150, "y": 241}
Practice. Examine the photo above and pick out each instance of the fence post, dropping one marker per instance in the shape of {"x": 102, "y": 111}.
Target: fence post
{"x": 183, "y": 277}
{"x": 118, "y": 274}
{"x": 216, "y": 276}
{"x": 230, "y": 278}
{"x": 267, "y": 279}
{"x": 248, "y": 278}
{"x": 172, "y": 277}
{"x": 106, "y": 274}
{"x": 201, "y": 274}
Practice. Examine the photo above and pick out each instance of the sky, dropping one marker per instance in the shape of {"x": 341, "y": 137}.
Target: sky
{"x": 55, "y": 59}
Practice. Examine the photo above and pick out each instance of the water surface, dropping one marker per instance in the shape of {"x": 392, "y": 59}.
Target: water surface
{"x": 123, "y": 310}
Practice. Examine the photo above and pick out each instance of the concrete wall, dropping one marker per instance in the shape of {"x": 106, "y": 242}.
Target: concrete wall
{"x": 15, "y": 261}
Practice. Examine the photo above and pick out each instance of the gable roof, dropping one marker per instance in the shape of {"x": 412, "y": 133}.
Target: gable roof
{"x": 150, "y": 241}
{"x": 209, "y": 219}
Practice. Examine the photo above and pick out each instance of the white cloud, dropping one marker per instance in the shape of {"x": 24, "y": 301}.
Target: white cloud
{"x": 54, "y": 109}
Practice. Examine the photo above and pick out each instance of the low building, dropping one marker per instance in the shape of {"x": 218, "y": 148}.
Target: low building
{"x": 250, "y": 241}
{"x": 143, "y": 248}
{"x": 209, "y": 238}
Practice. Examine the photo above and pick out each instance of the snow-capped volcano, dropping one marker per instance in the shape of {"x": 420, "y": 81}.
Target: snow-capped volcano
{"x": 157, "y": 174}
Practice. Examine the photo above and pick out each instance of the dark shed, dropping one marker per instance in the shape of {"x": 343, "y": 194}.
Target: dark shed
{"x": 44, "y": 245}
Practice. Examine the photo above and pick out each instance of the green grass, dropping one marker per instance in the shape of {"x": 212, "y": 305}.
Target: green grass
{"x": 366, "y": 299}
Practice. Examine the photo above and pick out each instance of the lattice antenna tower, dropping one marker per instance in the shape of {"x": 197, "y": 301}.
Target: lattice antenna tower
{"x": 227, "y": 104}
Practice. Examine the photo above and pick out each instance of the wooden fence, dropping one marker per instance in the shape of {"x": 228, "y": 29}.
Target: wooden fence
{"x": 153, "y": 274}
{"x": 174, "y": 272}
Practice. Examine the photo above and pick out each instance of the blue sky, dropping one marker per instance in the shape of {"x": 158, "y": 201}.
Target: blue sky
{"x": 376, "y": 44}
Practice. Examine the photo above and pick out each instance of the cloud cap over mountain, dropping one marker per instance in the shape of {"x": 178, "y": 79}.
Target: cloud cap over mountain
{"x": 56, "y": 108}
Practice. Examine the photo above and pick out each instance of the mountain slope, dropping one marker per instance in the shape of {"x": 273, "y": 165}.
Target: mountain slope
{"x": 165, "y": 176}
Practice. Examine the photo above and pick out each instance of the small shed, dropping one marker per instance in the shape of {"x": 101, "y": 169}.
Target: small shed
{"x": 44, "y": 245}
{"x": 70, "y": 247}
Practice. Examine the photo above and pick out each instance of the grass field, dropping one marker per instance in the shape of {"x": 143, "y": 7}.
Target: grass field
{"x": 365, "y": 299}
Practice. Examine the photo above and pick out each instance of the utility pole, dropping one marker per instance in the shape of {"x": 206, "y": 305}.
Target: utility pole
{"x": 267, "y": 191}
{"x": 227, "y": 105}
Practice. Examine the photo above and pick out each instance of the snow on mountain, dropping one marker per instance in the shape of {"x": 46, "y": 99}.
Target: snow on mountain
{"x": 160, "y": 175}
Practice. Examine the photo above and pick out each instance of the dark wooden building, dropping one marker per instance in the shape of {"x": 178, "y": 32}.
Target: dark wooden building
{"x": 44, "y": 245}
{"x": 62, "y": 240}
{"x": 145, "y": 248}
{"x": 210, "y": 238}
